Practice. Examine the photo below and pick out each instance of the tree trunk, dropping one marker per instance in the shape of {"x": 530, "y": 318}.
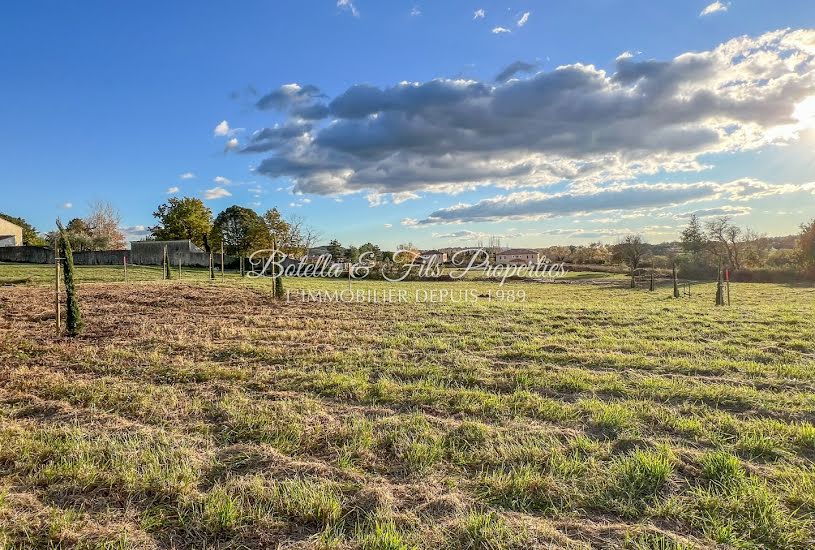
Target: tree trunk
{"x": 719, "y": 289}
{"x": 676, "y": 285}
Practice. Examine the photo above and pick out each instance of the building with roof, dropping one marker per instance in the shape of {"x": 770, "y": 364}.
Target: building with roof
{"x": 433, "y": 257}
{"x": 517, "y": 256}
{"x": 10, "y": 234}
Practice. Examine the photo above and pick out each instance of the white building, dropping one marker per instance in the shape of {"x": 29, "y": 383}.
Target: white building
{"x": 433, "y": 256}
{"x": 517, "y": 256}
{"x": 10, "y": 234}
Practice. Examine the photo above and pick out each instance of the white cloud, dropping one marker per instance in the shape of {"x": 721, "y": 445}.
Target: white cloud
{"x": 222, "y": 129}
{"x": 479, "y": 14}
{"x": 378, "y": 199}
{"x": 524, "y": 18}
{"x": 173, "y": 190}
{"x": 135, "y": 232}
{"x": 714, "y": 8}
{"x": 536, "y": 205}
{"x": 500, "y": 30}
{"x": 576, "y": 125}
{"x": 221, "y": 180}
{"x": 388, "y": 225}
{"x": 415, "y": 12}
{"x": 349, "y": 6}
{"x": 216, "y": 193}
{"x": 232, "y": 144}
{"x": 187, "y": 176}
{"x": 725, "y": 210}
{"x": 67, "y": 205}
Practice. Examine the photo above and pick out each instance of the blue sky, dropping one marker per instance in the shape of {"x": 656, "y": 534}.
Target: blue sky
{"x": 107, "y": 101}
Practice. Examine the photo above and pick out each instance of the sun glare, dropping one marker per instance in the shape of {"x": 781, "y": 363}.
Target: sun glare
{"x": 805, "y": 113}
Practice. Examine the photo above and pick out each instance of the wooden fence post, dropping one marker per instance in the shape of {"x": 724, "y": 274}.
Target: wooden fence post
{"x": 222, "y": 260}
{"x": 124, "y": 260}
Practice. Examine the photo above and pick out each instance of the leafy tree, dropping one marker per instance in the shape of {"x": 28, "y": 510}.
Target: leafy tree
{"x": 241, "y": 230}
{"x": 632, "y": 251}
{"x": 805, "y": 249}
{"x": 79, "y": 232}
{"x": 278, "y": 228}
{"x": 335, "y": 249}
{"x": 411, "y": 254}
{"x": 31, "y": 236}
{"x": 185, "y": 218}
{"x": 352, "y": 253}
{"x": 370, "y": 247}
{"x": 74, "y": 315}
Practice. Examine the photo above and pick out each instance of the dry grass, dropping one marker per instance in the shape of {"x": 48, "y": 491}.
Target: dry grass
{"x": 196, "y": 414}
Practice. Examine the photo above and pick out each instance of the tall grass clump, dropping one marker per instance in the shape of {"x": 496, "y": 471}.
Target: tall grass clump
{"x": 637, "y": 479}
{"x": 485, "y": 530}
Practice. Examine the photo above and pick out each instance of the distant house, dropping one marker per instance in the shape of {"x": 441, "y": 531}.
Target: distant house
{"x": 517, "y": 256}
{"x": 433, "y": 256}
{"x": 10, "y": 234}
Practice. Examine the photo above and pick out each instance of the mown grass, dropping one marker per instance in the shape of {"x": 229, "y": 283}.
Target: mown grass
{"x": 199, "y": 414}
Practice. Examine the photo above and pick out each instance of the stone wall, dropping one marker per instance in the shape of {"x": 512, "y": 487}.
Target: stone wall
{"x": 43, "y": 255}
{"x": 27, "y": 254}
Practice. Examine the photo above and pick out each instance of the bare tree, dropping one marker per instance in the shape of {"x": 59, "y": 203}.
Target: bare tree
{"x": 725, "y": 240}
{"x": 494, "y": 244}
{"x": 632, "y": 250}
{"x": 303, "y": 234}
{"x": 103, "y": 224}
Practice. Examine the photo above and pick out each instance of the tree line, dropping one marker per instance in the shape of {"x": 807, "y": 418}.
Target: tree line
{"x": 240, "y": 230}
{"x": 707, "y": 246}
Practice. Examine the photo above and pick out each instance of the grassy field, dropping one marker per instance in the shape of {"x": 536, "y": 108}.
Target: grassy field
{"x": 198, "y": 414}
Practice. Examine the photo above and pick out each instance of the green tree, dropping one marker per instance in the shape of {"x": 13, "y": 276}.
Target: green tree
{"x": 185, "y": 218}
{"x": 693, "y": 237}
{"x": 241, "y": 230}
{"x": 352, "y": 253}
{"x": 31, "y": 237}
{"x": 79, "y": 233}
{"x": 370, "y": 247}
{"x": 74, "y": 315}
{"x": 805, "y": 248}
{"x": 278, "y": 228}
{"x": 335, "y": 249}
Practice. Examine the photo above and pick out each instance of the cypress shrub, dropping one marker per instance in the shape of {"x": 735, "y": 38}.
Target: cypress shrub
{"x": 74, "y": 319}
{"x": 278, "y": 277}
